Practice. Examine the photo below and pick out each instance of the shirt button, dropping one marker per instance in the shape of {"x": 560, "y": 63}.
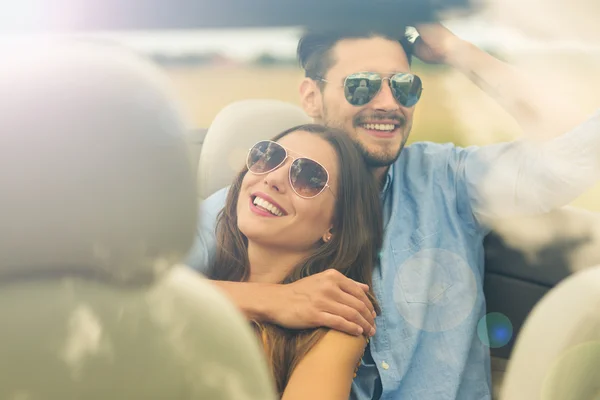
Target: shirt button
{"x": 385, "y": 365}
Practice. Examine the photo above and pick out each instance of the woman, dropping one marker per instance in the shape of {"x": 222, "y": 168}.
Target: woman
{"x": 306, "y": 202}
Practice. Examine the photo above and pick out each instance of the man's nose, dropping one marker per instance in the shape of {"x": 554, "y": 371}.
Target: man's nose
{"x": 384, "y": 100}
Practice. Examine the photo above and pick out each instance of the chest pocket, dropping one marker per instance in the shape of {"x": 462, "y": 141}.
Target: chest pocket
{"x": 435, "y": 289}
{"x": 416, "y": 232}
{"x": 426, "y": 234}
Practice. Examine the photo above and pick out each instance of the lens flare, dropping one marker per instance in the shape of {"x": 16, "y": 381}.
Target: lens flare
{"x": 495, "y": 330}
{"x": 436, "y": 290}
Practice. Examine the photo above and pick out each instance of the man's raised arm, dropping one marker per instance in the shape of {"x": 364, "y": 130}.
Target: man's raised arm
{"x": 557, "y": 160}
{"x": 539, "y": 110}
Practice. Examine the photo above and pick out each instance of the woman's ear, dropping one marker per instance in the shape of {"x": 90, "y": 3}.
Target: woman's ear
{"x": 311, "y": 98}
{"x": 327, "y": 235}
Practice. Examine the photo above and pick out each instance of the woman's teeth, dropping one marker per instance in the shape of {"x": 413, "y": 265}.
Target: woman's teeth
{"x": 265, "y": 205}
{"x": 380, "y": 127}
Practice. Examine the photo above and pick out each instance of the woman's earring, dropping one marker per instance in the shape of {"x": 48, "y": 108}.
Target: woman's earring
{"x": 327, "y": 238}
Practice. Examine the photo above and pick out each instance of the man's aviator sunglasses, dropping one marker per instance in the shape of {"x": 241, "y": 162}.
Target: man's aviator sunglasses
{"x": 308, "y": 178}
{"x": 362, "y": 87}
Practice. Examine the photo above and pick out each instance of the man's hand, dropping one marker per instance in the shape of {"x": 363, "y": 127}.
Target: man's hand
{"x": 531, "y": 102}
{"x": 327, "y": 299}
{"x": 436, "y": 44}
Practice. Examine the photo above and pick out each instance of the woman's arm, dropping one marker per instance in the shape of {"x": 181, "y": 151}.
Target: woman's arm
{"x": 326, "y": 372}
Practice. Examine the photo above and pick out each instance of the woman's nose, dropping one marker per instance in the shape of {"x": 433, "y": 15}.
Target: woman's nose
{"x": 278, "y": 178}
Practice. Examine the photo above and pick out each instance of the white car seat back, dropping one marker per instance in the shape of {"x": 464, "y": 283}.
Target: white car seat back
{"x": 557, "y": 354}
{"x": 98, "y": 203}
{"x": 234, "y": 130}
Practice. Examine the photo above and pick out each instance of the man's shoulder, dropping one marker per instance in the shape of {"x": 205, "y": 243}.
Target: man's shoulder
{"x": 202, "y": 254}
{"x": 422, "y": 163}
{"x": 427, "y": 149}
{"x": 215, "y": 202}
{"x": 429, "y": 154}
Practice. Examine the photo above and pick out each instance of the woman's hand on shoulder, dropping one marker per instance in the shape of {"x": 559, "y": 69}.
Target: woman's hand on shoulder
{"x": 327, "y": 371}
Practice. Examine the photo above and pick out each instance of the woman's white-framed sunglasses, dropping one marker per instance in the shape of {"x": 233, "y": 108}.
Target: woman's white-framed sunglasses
{"x": 308, "y": 178}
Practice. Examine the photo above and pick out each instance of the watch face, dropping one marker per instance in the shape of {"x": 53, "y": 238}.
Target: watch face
{"x": 411, "y": 34}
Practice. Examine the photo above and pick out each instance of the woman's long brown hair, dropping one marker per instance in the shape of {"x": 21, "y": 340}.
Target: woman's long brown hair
{"x": 353, "y": 249}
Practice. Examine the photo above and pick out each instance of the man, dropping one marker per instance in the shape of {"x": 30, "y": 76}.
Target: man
{"x": 438, "y": 201}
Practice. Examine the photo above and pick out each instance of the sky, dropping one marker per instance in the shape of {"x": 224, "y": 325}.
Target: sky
{"x": 248, "y": 43}
{"x": 504, "y": 26}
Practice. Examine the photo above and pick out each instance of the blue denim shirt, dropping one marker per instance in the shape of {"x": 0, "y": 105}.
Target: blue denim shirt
{"x": 429, "y": 281}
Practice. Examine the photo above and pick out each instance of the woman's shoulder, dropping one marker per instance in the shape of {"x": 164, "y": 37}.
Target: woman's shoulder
{"x": 341, "y": 345}
{"x": 341, "y": 338}
{"x": 326, "y": 372}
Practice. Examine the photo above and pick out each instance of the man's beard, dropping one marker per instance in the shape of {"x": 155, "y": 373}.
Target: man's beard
{"x": 372, "y": 159}
{"x": 375, "y": 160}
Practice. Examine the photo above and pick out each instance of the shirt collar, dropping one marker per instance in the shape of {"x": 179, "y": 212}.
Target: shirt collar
{"x": 388, "y": 180}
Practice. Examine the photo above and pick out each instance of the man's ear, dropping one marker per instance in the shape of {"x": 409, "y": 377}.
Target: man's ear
{"x": 311, "y": 98}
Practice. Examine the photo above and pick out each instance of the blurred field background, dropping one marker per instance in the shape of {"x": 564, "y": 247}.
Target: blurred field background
{"x": 452, "y": 109}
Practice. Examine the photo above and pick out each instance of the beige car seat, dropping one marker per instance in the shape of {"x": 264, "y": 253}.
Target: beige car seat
{"x": 557, "y": 354}
{"x": 98, "y": 204}
{"x": 234, "y": 130}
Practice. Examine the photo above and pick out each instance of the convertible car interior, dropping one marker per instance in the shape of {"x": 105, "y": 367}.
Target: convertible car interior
{"x": 542, "y": 273}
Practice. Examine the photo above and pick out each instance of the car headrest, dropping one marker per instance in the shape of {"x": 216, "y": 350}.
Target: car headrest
{"x": 179, "y": 339}
{"x": 98, "y": 201}
{"x": 94, "y": 172}
{"x": 234, "y": 130}
{"x": 557, "y": 353}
